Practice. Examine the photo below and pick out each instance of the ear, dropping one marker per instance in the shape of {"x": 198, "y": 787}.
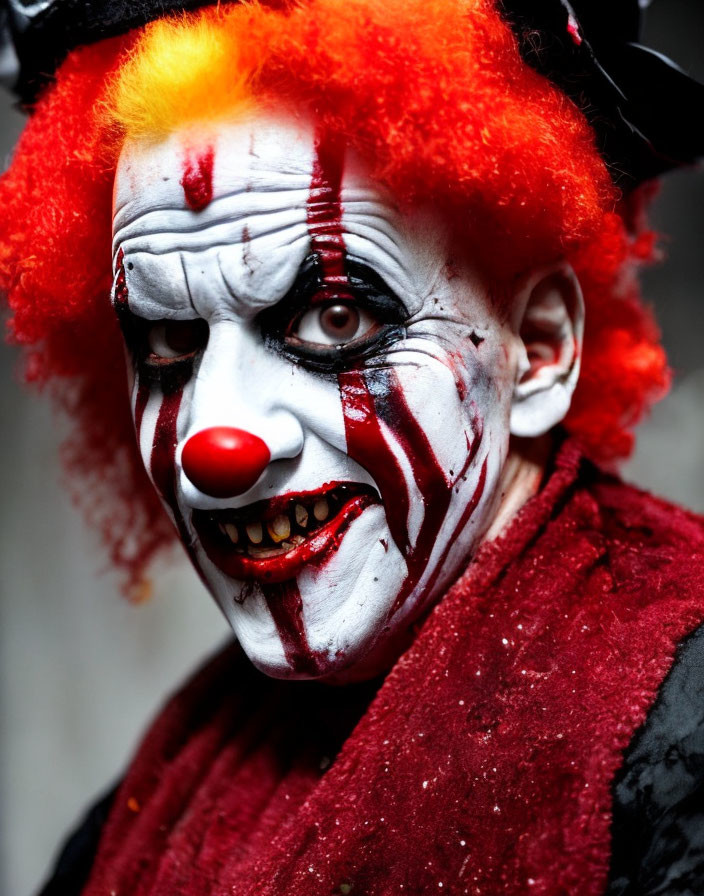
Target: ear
{"x": 549, "y": 323}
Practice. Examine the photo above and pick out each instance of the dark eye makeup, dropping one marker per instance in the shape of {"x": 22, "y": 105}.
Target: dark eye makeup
{"x": 163, "y": 343}
{"x": 325, "y": 327}
{"x": 331, "y": 326}
{"x": 163, "y": 351}
{"x": 175, "y": 340}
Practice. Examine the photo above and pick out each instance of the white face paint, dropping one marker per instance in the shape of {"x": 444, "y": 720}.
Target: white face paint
{"x": 321, "y": 394}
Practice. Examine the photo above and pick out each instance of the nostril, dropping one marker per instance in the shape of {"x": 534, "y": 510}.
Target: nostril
{"x": 223, "y": 461}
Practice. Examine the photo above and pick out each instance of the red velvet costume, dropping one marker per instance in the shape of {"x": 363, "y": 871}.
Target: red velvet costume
{"x": 484, "y": 764}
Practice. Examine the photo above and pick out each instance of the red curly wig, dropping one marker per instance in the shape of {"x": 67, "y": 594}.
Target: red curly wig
{"x": 435, "y": 96}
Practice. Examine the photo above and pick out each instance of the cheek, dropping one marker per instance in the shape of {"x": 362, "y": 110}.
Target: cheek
{"x": 158, "y": 411}
{"x": 409, "y": 427}
{"x": 442, "y": 411}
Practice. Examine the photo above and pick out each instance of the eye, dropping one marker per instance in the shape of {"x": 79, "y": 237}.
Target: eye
{"x": 329, "y": 327}
{"x": 174, "y": 340}
{"x": 337, "y": 323}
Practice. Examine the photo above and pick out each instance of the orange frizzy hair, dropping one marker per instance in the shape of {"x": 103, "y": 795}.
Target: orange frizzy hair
{"x": 432, "y": 94}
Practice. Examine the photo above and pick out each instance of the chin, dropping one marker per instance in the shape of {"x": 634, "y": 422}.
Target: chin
{"x": 335, "y": 621}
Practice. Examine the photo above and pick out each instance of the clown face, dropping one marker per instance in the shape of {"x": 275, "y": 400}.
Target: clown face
{"x": 321, "y": 394}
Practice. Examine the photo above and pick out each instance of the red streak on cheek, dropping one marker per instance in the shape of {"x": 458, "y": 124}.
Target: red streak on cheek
{"x": 197, "y": 180}
{"x": 464, "y": 519}
{"x": 434, "y": 486}
{"x": 121, "y": 296}
{"x": 163, "y": 465}
{"x": 456, "y": 365}
{"x": 286, "y": 606}
{"x": 163, "y": 459}
{"x": 139, "y": 408}
{"x": 367, "y": 445}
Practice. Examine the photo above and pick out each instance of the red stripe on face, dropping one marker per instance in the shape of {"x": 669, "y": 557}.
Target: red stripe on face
{"x": 139, "y": 408}
{"x": 197, "y": 180}
{"x": 163, "y": 464}
{"x": 324, "y": 214}
{"x": 366, "y": 445}
{"x": 286, "y": 606}
{"x": 434, "y": 486}
{"x": 163, "y": 459}
{"x": 120, "y": 297}
{"x": 464, "y": 519}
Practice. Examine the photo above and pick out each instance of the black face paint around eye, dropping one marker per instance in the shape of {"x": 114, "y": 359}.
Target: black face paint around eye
{"x": 364, "y": 294}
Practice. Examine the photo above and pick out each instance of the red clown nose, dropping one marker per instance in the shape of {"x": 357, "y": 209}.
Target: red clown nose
{"x": 223, "y": 461}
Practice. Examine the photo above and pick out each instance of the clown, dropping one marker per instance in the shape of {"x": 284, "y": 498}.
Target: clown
{"x": 325, "y": 430}
{"x": 372, "y": 276}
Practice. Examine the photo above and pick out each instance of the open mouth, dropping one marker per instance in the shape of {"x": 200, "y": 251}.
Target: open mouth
{"x": 271, "y": 541}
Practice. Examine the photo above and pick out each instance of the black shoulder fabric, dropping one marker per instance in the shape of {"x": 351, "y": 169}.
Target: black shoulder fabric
{"x": 658, "y": 817}
{"x": 76, "y": 859}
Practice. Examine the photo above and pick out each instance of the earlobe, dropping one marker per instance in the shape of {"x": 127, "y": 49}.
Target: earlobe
{"x": 549, "y": 323}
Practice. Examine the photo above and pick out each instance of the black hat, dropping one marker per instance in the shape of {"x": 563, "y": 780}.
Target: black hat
{"x": 44, "y": 32}
{"x": 646, "y": 112}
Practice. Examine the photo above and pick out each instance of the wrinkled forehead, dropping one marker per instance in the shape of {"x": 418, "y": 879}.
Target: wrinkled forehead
{"x": 235, "y": 204}
{"x": 229, "y": 161}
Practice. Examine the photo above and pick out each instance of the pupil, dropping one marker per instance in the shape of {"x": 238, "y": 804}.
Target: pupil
{"x": 184, "y": 336}
{"x": 339, "y": 321}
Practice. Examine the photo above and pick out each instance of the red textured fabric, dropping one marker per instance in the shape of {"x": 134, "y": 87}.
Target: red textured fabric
{"x": 482, "y": 766}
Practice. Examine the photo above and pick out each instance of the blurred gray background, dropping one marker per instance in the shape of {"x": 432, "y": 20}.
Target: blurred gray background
{"x": 81, "y": 671}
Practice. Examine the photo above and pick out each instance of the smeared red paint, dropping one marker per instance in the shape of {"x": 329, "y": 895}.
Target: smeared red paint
{"x": 455, "y": 363}
{"x": 120, "y": 297}
{"x": 197, "y": 180}
{"x": 140, "y": 406}
{"x": 163, "y": 458}
{"x": 286, "y": 606}
{"x": 325, "y": 210}
{"x": 367, "y": 445}
{"x": 163, "y": 465}
{"x": 464, "y": 519}
{"x": 573, "y": 31}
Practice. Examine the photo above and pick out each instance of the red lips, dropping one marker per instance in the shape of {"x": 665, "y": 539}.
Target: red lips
{"x": 308, "y": 543}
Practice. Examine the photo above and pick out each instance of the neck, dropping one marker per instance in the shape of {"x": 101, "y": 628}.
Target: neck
{"x": 521, "y": 478}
